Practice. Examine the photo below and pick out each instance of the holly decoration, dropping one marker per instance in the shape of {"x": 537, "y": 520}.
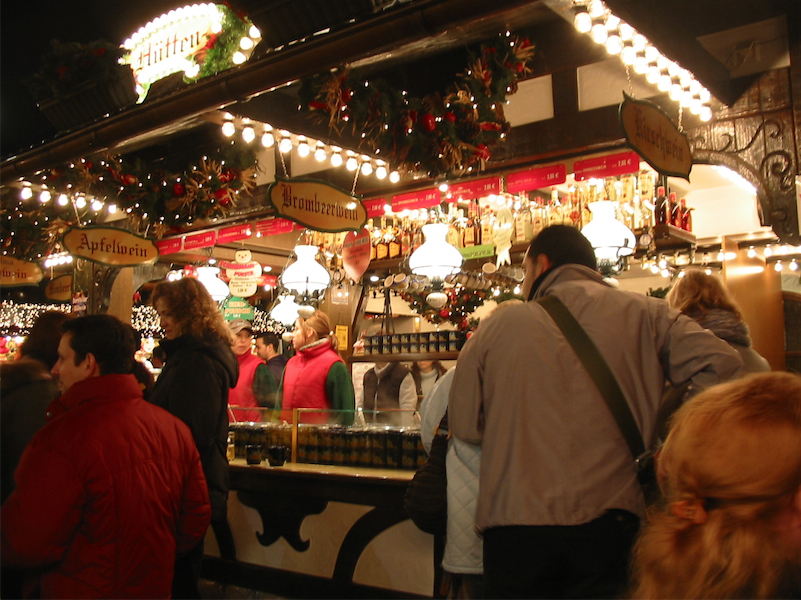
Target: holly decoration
{"x": 437, "y": 134}
{"x": 155, "y": 202}
{"x": 461, "y": 304}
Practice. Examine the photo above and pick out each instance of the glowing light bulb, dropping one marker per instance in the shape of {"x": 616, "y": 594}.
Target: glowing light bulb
{"x": 228, "y": 128}
{"x": 80, "y": 202}
{"x": 254, "y": 32}
{"x": 238, "y": 58}
{"x": 26, "y": 193}
{"x": 248, "y": 134}
{"x": 63, "y": 200}
{"x": 367, "y": 168}
{"x": 751, "y": 252}
{"x": 394, "y": 177}
{"x": 599, "y": 33}
{"x": 352, "y": 164}
{"x": 582, "y": 21}
{"x": 778, "y": 267}
{"x": 303, "y": 148}
{"x": 336, "y": 159}
{"x": 285, "y": 145}
{"x": 381, "y": 172}
{"x": 768, "y": 252}
{"x": 267, "y": 139}
{"x": 44, "y": 195}
{"x": 614, "y": 45}
{"x": 246, "y": 43}
{"x": 794, "y": 265}
{"x": 320, "y": 154}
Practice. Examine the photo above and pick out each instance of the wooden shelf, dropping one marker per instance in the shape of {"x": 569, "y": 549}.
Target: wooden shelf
{"x": 670, "y": 237}
{"x": 407, "y": 357}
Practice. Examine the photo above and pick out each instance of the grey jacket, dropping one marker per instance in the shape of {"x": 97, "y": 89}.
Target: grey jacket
{"x": 551, "y": 452}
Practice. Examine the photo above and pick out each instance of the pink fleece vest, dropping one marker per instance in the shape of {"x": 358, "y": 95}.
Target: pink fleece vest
{"x": 304, "y": 382}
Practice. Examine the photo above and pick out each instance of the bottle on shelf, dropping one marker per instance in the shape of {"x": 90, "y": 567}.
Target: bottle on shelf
{"x": 661, "y": 206}
{"x": 686, "y": 216}
{"x": 469, "y": 230}
{"x": 406, "y": 237}
{"x": 454, "y": 235}
{"x": 381, "y": 246}
{"x": 674, "y": 211}
{"x": 371, "y": 231}
{"x": 487, "y": 220}
{"x": 646, "y": 189}
{"x": 393, "y": 240}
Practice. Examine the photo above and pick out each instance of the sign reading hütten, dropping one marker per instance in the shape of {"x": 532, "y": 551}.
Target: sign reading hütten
{"x": 110, "y": 246}
{"x": 317, "y": 205}
{"x": 653, "y": 135}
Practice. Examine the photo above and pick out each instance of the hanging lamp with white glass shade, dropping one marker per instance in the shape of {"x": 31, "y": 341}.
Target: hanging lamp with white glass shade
{"x": 435, "y": 258}
{"x": 610, "y": 238}
{"x": 285, "y": 310}
{"x": 216, "y": 287}
{"x": 306, "y": 276}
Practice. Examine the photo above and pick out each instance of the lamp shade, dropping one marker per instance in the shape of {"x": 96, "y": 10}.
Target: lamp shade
{"x": 285, "y": 310}
{"x": 216, "y": 287}
{"x": 436, "y": 258}
{"x": 609, "y": 237}
{"x": 305, "y": 275}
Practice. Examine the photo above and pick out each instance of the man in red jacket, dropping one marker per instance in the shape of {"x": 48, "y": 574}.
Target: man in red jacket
{"x": 111, "y": 490}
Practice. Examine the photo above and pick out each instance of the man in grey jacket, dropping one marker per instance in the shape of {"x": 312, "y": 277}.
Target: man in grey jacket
{"x": 559, "y": 502}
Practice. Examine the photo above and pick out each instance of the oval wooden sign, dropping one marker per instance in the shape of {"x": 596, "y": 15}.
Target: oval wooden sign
{"x": 110, "y": 246}
{"x": 655, "y": 137}
{"x": 317, "y": 205}
{"x": 15, "y": 272}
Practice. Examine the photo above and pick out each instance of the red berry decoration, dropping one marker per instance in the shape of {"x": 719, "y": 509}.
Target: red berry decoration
{"x": 444, "y": 313}
{"x": 450, "y": 117}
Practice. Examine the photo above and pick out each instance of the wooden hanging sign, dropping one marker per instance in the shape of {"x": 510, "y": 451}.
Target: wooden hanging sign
{"x": 15, "y": 272}
{"x": 316, "y": 204}
{"x": 110, "y": 246}
{"x": 655, "y": 137}
{"x": 59, "y": 289}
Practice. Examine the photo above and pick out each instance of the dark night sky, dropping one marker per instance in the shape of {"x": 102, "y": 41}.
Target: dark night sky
{"x": 26, "y": 28}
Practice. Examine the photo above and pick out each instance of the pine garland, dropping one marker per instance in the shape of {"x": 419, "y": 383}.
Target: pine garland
{"x": 156, "y": 202}
{"x": 436, "y": 134}
{"x": 220, "y": 47}
{"x": 461, "y": 304}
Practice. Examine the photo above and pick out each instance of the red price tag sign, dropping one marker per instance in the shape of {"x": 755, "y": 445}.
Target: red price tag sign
{"x": 477, "y": 188}
{"x": 234, "y": 234}
{"x": 201, "y": 240}
{"x": 169, "y": 246}
{"x": 375, "y": 207}
{"x": 534, "y": 179}
{"x": 416, "y": 200}
{"x": 274, "y": 227}
{"x": 607, "y": 166}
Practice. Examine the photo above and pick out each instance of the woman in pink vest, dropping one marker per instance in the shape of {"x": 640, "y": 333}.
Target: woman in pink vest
{"x": 315, "y": 377}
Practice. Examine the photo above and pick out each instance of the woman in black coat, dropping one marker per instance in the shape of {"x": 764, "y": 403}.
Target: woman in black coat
{"x": 199, "y": 370}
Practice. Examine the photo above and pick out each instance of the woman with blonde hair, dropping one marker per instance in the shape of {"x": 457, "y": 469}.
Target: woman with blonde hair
{"x": 704, "y": 298}
{"x": 730, "y": 471}
{"x": 198, "y": 372}
{"x": 315, "y": 377}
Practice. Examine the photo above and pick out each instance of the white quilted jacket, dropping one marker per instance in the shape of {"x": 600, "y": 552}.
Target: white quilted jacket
{"x": 463, "y": 548}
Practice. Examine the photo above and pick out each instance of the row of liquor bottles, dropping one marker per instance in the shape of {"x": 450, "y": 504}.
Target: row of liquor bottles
{"x": 640, "y": 204}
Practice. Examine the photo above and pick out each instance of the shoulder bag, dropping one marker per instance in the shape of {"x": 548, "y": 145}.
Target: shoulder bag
{"x": 426, "y": 500}
{"x": 607, "y": 384}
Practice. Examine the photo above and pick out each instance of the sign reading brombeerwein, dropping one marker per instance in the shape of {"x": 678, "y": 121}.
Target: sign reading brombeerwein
{"x": 110, "y": 246}
{"x": 653, "y": 135}
{"x": 317, "y": 205}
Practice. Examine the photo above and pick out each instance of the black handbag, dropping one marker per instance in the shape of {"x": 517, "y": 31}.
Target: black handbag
{"x": 607, "y": 384}
{"x": 426, "y": 500}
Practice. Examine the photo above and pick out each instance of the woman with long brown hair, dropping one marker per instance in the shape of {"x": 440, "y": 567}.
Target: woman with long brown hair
{"x": 730, "y": 471}
{"x": 198, "y": 372}
{"x": 315, "y": 377}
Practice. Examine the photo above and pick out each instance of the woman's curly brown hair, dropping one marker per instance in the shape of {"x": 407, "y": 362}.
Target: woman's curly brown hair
{"x": 196, "y": 313}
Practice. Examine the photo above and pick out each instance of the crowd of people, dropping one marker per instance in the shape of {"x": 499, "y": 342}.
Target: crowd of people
{"x": 110, "y": 482}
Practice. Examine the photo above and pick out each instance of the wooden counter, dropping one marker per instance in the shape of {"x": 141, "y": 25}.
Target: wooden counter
{"x": 304, "y": 530}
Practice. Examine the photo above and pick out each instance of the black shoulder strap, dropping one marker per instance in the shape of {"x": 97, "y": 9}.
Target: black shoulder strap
{"x": 598, "y": 369}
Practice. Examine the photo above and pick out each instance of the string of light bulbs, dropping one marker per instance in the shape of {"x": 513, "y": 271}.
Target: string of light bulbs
{"x": 592, "y": 17}
{"x": 286, "y": 141}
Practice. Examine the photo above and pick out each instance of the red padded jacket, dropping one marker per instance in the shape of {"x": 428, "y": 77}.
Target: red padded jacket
{"x": 108, "y": 493}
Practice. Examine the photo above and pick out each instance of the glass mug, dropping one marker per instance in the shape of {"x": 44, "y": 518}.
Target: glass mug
{"x": 277, "y": 455}
{"x": 253, "y": 454}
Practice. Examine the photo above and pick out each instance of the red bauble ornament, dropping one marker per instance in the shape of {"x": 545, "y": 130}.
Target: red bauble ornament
{"x": 178, "y": 190}
{"x": 444, "y": 313}
{"x": 482, "y": 152}
{"x": 427, "y": 122}
{"x": 450, "y": 117}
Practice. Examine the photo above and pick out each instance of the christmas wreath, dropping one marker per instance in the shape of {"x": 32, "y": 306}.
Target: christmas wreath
{"x": 461, "y": 304}
{"x": 154, "y": 202}
{"x": 437, "y": 134}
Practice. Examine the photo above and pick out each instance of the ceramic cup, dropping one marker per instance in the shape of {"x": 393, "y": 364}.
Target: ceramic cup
{"x": 253, "y": 454}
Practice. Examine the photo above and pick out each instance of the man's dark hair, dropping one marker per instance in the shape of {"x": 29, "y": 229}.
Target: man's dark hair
{"x": 268, "y": 338}
{"x": 108, "y": 339}
{"x": 563, "y": 245}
